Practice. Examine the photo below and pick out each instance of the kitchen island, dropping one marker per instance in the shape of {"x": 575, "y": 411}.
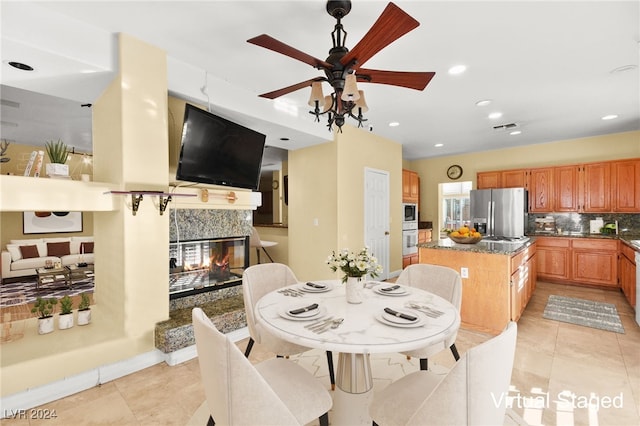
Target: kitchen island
{"x": 497, "y": 278}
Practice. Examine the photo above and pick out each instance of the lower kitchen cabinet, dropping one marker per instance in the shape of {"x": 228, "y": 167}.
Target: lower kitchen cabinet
{"x": 627, "y": 272}
{"x": 589, "y": 261}
{"x": 595, "y": 261}
{"x": 523, "y": 280}
{"x": 409, "y": 260}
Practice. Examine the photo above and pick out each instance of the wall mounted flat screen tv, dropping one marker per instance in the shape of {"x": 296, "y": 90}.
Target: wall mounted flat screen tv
{"x": 217, "y": 151}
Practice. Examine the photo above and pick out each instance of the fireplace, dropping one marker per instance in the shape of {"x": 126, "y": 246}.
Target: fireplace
{"x": 198, "y": 266}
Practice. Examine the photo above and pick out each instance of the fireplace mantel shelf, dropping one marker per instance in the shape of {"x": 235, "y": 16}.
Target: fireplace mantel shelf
{"x": 137, "y": 196}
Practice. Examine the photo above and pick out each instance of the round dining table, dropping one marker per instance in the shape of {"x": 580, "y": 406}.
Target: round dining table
{"x": 390, "y": 319}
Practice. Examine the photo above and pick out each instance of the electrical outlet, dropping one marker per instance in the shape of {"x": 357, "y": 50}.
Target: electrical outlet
{"x": 464, "y": 272}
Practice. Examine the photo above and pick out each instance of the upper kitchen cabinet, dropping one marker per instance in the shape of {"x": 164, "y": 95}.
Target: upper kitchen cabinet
{"x": 541, "y": 190}
{"x": 602, "y": 187}
{"x": 502, "y": 179}
{"x": 566, "y": 188}
{"x": 410, "y": 186}
{"x": 596, "y": 178}
{"x": 625, "y": 186}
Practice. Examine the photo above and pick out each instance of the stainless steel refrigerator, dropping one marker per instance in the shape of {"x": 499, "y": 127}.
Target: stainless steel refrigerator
{"x": 499, "y": 213}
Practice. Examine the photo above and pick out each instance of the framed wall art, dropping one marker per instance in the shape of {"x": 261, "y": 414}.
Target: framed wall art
{"x": 51, "y": 222}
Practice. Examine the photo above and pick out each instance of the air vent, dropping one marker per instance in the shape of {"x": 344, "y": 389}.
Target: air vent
{"x": 505, "y": 126}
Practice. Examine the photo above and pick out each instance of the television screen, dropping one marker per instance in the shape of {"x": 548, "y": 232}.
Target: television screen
{"x": 217, "y": 151}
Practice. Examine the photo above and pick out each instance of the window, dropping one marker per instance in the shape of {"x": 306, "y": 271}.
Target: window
{"x": 455, "y": 202}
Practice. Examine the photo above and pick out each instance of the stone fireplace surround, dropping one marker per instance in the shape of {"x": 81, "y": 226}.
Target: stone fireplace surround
{"x": 225, "y": 304}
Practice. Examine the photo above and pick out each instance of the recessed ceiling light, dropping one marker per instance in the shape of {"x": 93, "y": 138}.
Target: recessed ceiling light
{"x": 495, "y": 115}
{"x": 394, "y": 124}
{"x": 483, "y": 102}
{"x": 439, "y": 145}
{"x": 457, "y": 69}
{"x": 609, "y": 117}
{"x": 515, "y": 132}
{"x": 21, "y": 66}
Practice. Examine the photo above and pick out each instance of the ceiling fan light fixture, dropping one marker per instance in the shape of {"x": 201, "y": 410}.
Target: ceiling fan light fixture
{"x": 316, "y": 93}
{"x": 350, "y": 91}
{"x": 361, "y": 103}
{"x": 328, "y": 103}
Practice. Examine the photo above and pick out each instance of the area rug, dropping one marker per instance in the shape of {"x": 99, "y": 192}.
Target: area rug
{"x": 588, "y": 313}
{"x": 25, "y": 291}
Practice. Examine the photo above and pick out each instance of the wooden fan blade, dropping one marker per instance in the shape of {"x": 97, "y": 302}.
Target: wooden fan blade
{"x": 390, "y": 26}
{"x": 293, "y": 88}
{"x": 271, "y": 43}
{"x": 408, "y": 79}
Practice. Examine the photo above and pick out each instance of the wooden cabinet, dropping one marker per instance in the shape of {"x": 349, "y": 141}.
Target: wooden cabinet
{"x": 523, "y": 280}
{"x": 553, "y": 261}
{"x": 566, "y": 188}
{"x": 517, "y": 178}
{"x": 588, "y": 261}
{"x": 409, "y": 260}
{"x": 424, "y": 236}
{"x": 625, "y": 186}
{"x": 594, "y": 261}
{"x": 488, "y": 180}
{"x": 596, "y": 178}
{"x": 497, "y": 288}
{"x": 603, "y": 187}
{"x": 541, "y": 190}
{"x": 410, "y": 186}
{"x": 627, "y": 273}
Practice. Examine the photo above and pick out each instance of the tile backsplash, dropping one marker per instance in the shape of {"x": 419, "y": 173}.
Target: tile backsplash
{"x": 579, "y": 222}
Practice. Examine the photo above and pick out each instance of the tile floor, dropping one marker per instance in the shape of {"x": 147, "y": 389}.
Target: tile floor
{"x": 561, "y": 373}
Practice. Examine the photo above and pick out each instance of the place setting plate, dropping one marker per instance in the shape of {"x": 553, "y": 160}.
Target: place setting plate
{"x": 389, "y": 289}
{"x": 403, "y": 317}
{"x": 311, "y": 287}
{"x": 306, "y": 311}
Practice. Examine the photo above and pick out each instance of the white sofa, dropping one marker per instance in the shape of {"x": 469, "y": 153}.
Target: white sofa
{"x": 54, "y": 249}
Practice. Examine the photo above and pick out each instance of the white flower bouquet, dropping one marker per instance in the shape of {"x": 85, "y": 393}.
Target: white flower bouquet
{"x": 354, "y": 264}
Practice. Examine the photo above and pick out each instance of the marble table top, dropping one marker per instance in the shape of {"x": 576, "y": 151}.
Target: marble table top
{"x": 363, "y": 329}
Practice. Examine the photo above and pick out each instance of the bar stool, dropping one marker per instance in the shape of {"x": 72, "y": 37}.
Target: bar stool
{"x": 257, "y": 243}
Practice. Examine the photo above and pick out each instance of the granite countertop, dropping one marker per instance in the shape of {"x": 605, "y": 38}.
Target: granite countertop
{"x": 271, "y": 225}
{"x": 490, "y": 247}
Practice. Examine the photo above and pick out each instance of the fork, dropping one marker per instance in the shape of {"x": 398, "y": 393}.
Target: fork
{"x": 333, "y": 324}
{"x": 430, "y": 312}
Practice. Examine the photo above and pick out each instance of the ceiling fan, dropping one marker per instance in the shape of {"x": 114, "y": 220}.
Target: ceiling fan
{"x": 343, "y": 67}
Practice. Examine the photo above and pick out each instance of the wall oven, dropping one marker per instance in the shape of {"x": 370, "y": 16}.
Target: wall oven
{"x": 409, "y": 241}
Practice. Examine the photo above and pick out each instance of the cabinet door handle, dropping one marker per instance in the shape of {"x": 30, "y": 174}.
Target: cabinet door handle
{"x": 386, "y": 232}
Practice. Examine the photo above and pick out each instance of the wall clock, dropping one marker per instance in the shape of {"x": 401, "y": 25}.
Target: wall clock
{"x": 454, "y": 172}
{"x": 275, "y": 184}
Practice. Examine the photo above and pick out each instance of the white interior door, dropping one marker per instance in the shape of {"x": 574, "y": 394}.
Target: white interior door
{"x": 376, "y": 216}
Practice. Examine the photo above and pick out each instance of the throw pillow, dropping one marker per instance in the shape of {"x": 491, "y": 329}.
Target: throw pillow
{"x": 29, "y": 252}
{"x": 14, "y": 250}
{"x": 58, "y": 249}
{"x": 86, "y": 247}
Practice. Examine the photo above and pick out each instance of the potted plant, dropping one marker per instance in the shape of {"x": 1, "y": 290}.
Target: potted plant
{"x": 65, "y": 319}
{"x": 44, "y": 308}
{"x": 58, "y": 153}
{"x": 84, "y": 311}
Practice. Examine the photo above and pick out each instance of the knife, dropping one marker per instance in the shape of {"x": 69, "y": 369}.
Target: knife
{"x": 395, "y": 287}
{"x": 305, "y": 309}
{"x": 400, "y": 314}
{"x": 314, "y": 285}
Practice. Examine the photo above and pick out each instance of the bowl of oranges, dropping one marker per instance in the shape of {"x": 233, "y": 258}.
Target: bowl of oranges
{"x": 465, "y": 235}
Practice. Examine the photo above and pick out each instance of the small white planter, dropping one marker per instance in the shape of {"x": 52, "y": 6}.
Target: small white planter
{"x": 84, "y": 317}
{"x": 57, "y": 169}
{"x": 65, "y": 321}
{"x": 45, "y": 325}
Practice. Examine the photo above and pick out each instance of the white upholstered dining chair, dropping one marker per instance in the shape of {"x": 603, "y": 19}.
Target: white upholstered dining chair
{"x": 441, "y": 281}
{"x": 273, "y": 392}
{"x": 258, "y": 280}
{"x": 473, "y": 392}
{"x": 259, "y": 244}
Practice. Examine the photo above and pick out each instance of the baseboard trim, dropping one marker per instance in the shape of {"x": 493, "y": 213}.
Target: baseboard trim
{"x": 14, "y": 405}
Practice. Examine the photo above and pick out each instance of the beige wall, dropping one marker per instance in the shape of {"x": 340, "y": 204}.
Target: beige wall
{"x": 326, "y": 182}
{"x": 600, "y": 148}
{"x": 130, "y": 140}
